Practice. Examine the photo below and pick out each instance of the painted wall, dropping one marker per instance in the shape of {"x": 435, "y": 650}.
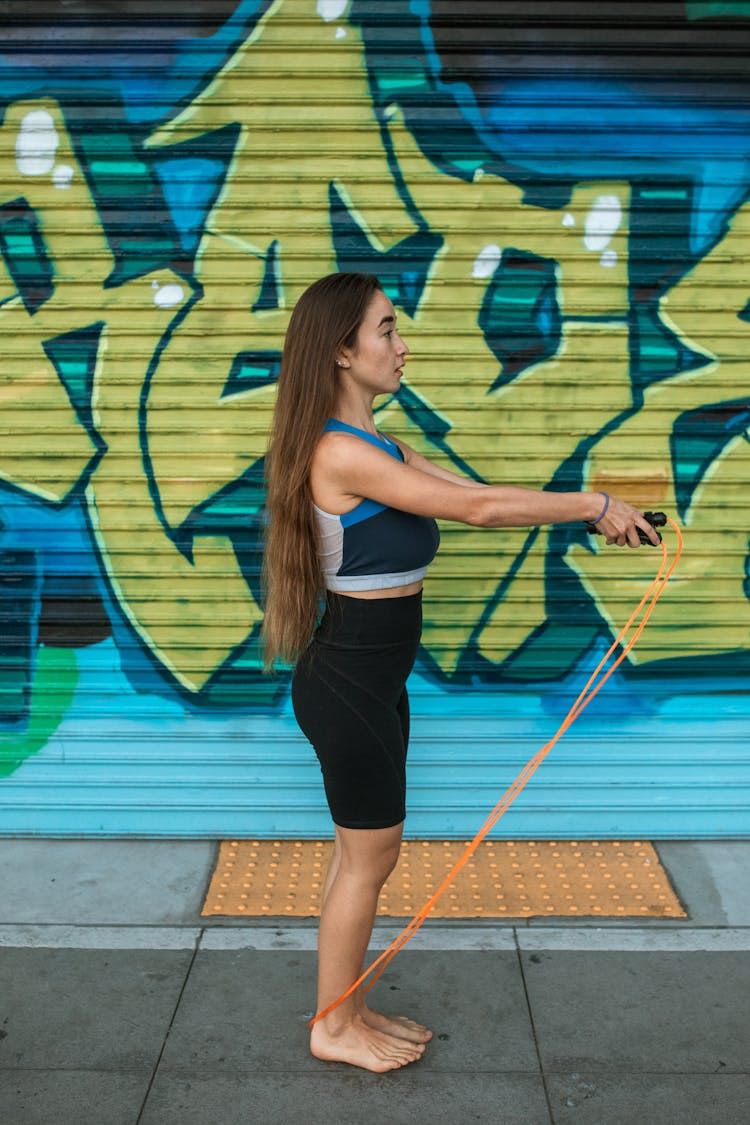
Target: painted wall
{"x": 558, "y": 208}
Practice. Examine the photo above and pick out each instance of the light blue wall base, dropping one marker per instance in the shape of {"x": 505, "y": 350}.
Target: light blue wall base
{"x": 124, "y": 763}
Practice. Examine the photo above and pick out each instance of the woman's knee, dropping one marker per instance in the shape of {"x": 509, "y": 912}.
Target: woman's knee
{"x": 370, "y": 853}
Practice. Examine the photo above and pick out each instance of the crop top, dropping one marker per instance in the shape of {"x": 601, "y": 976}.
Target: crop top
{"x": 373, "y": 547}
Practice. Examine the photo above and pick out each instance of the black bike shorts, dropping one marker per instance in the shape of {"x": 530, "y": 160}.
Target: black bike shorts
{"x": 350, "y": 700}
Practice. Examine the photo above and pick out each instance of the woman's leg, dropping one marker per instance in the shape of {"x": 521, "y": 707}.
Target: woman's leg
{"x": 363, "y": 858}
{"x": 400, "y": 1026}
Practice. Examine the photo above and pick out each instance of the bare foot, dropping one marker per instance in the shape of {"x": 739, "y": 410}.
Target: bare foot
{"x": 364, "y": 1046}
{"x": 399, "y": 1026}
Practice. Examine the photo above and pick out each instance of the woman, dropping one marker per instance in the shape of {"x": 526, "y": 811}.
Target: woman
{"x": 352, "y": 514}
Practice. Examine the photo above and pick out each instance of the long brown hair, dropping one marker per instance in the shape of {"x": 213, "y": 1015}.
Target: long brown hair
{"x": 326, "y": 318}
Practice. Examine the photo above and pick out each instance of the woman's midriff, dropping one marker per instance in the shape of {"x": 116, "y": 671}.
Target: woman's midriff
{"x": 391, "y": 592}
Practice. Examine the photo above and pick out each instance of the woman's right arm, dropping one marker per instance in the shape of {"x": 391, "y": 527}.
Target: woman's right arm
{"x": 357, "y": 469}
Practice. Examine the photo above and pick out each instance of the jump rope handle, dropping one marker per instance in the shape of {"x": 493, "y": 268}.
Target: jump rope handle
{"x": 656, "y": 519}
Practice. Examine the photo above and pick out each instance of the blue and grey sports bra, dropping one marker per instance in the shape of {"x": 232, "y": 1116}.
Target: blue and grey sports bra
{"x": 373, "y": 547}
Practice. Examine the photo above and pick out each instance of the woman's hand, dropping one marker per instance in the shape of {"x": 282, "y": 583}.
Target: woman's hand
{"x": 620, "y": 523}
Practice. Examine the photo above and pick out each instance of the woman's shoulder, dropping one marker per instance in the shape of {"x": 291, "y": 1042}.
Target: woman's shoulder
{"x": 344, "y": 464}
{"x": 337, "y": 448}
{"x": 333, "y": 443}
{"x": 334, "y": 453}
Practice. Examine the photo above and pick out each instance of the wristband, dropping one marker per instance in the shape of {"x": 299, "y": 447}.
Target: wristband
{"x": 604, "y": 509}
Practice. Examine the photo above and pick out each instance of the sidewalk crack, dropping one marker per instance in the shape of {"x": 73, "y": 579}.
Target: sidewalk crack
{"x": 168, "y": 1032}
{"x": 533, "y": 1028}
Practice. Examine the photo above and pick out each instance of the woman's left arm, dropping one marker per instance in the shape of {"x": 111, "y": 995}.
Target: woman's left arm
{"x": 417, "y": 461}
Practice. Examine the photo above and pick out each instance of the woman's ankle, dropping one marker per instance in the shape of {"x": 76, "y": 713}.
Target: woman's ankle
{"x": 337, "y": 1022}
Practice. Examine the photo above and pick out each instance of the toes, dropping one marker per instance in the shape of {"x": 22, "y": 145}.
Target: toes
{"x": 418, "y": 1033}
{"x": 402, "y": 1027}
{"x": 397, "y": 1049}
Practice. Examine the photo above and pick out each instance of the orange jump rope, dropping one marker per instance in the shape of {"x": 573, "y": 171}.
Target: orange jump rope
{"x": 592, "y": 686}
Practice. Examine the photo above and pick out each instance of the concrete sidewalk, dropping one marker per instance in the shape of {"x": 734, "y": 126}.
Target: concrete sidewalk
{"x": 120, "y": 1005}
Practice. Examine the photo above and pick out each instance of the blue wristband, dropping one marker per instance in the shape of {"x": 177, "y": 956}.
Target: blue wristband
{"x": 604, "y": 509}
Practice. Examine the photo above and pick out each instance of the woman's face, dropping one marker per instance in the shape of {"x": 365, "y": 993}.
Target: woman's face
{"x": 376, "y": 361}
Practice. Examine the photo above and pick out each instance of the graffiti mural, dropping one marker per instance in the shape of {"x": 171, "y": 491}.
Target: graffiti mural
{"x": 568, "y": 258}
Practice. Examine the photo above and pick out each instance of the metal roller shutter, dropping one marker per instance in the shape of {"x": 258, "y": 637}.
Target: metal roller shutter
{"x": 555, "y": 195}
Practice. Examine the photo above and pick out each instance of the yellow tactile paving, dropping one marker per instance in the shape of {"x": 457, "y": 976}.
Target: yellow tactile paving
{"x": 503, "y": 879}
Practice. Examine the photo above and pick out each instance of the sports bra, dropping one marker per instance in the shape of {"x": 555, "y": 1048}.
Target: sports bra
{"x": 373, "y": 547}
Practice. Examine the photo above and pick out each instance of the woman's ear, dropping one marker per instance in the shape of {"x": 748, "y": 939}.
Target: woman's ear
{"x": 342, "y": 361}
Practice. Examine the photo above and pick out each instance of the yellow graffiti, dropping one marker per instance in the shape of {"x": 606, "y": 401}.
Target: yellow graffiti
{"x": 193, "y": 612}
{"x": 185, "y": 407}
{"x": 704, "y": 608}
{"x": 189, "y": 618}
{"x": 45, "y": 449}
{"x": 301, "y": 98}
{"x": 301, "y": 127}
{"x": 168, "y": 437}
